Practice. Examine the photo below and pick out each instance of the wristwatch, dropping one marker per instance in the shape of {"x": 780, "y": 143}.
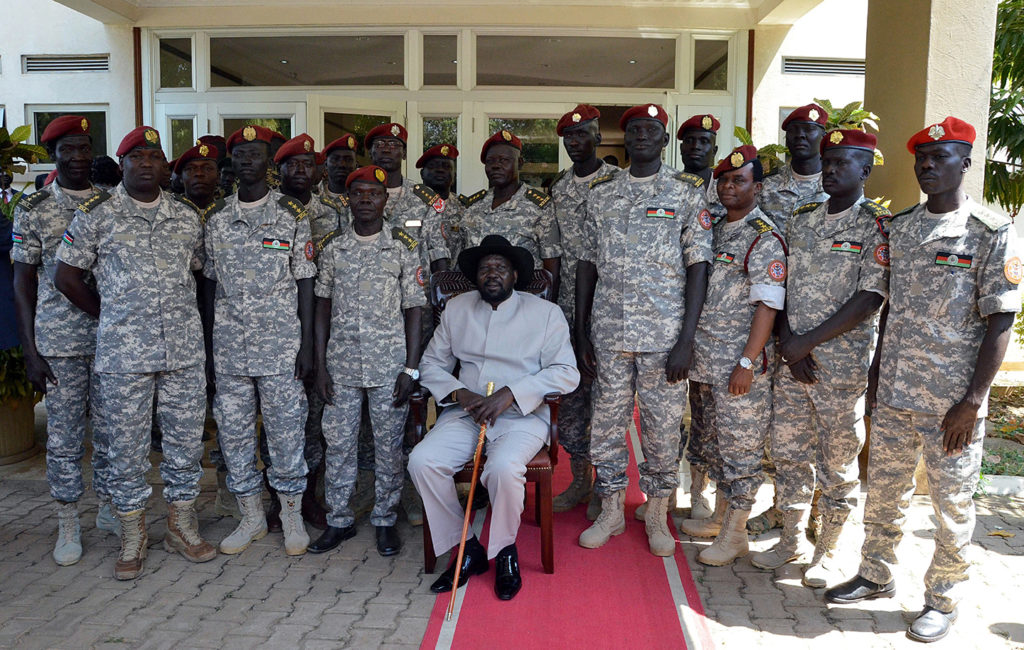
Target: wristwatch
{"x": 412, "y": 372}
{"x": 746, "y": 363}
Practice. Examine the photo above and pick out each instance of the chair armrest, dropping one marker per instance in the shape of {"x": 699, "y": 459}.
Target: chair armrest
{"x": 553, "y": 400}
{"x": 418, "y": 408}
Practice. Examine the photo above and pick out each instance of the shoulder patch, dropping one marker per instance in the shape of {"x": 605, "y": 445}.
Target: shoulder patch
{"x": 320, "y": 245}
{"x": 559, "y": 176}
{"x": 331, "y": 202}
{"x": 760, "y": 225}
{"x": 29, "y": 201}
{"x": 404, "y": 237}
{"x": 807, "y": 207}
{"x": 293, "y": 206}
{"x": 991, "y": 220}
{"x": 93, "y": 201}
{"x": 540, "y": 199}
{"x": 212, "y": 209}
{"x": 877, "y": 210}
{"x": 692, "y": 179}
{"x": 472, "y": 198}
{"x": 601, "y": 179}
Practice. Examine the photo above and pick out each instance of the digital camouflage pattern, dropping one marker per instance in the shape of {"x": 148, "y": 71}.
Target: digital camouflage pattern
{"x": 702, "y": 447}
{"x": 451, "y": 222}
{"x": 527, "y": 219}
{"x": 783, "y": 193}
{"x": 419, "y": 211}
{"x": 142, "y": 261}
{"x": 256, "y": 256}
{"x": 327, "y": 213}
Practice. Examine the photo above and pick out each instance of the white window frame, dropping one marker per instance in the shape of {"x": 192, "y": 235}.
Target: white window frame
{"x": 32, "y": 109}
{"x": 154, "y": 43}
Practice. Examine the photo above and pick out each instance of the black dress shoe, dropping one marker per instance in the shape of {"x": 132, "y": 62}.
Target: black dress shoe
{"x": 331, "y": 538}
{"x": 859, "y": 588}
{"x": 474, "y": 562}
{"x": 507, "y": 582}
{"x": 931, "y": 625}
{"x": 388, "y": 541}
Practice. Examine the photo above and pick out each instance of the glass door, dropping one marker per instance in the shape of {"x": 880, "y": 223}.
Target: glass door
{"x": 329, "y": 117}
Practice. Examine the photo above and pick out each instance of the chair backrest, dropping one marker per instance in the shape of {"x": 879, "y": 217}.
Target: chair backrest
{"x": 445, "y": 285}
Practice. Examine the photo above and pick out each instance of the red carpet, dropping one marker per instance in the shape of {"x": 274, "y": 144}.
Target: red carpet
{"x": 613, "y": 597}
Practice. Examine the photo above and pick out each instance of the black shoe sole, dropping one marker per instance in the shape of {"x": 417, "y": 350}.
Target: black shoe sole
{"x": 312, "y": 548}
{"x": 878, "y": 594}
{"x": 468, "y": 575}
{"x": 926, "y": 639}
{"x": 508, "y": 596}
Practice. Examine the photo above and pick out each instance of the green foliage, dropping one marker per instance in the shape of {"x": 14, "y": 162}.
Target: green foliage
{"x": 1003, "y": 462}
{"x": 851, "y": 116}
{"x": 14, "y": 384}
{"x": 7, "y": 207}
{"x": 14, "y": 148}
{"x": 771, "y": 155}
{"x": 1004, "y": 166}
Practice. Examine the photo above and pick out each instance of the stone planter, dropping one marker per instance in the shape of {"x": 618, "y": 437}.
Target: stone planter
{"x": 17, "y": 431}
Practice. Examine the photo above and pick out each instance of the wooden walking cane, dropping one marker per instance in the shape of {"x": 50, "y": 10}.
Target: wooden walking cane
{"x": 469, "y": 510}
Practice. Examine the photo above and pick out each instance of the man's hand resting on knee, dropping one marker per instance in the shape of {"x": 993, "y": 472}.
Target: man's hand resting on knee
{"x": 485, "y": 409}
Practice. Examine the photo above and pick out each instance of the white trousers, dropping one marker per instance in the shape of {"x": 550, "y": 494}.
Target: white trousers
{"x": 444, "y": 451}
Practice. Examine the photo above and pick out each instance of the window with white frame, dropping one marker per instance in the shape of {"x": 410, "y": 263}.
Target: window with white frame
{"x": 40, "y": 116}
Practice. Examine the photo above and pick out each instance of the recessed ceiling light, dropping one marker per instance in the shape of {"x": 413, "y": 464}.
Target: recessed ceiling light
{"x": 632, "y": 61}
{"x": 284, "y": 60}
{"x": 455, "y": 60}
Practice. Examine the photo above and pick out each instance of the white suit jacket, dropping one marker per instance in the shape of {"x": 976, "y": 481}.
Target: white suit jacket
{"x": 523, "y": 344}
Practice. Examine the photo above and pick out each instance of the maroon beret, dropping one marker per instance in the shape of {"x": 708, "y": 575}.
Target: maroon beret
{"x": 389, "y": 130}
{"x": 644, "y": 111}
{"x": 438, "y": 151}
{"x": 347, "y": 141}
{"x": 145, "y": 137}
{"x": 198, "y": 152}
{"x": 811, "y": 113}
{"x": 300, "y": 144}
{"x": 65, "y": 125}
{"x": 249, "y": 133}
{"x": 950, "y": 129}
{"x": 704, "y": 122}
{"x": 848, "y": 139}
{"x": 368, "y": 174}
{"x": 740, "y": 156}
{"x": 582, "y": 113}
{"x": 501, "y": 137}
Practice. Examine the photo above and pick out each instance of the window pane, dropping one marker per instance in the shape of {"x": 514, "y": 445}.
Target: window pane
{"x": 710, "y": 65}
{"x": 282, "y": 125}
{"x": 576, "y": 61}
{"x": 175, "y": 62}
{"x": 540, "y": 146}
{"x": 440, "y": 60}
{"x": 97, "y": 127}
{"x": 338, "y": 124}
{"x": 307, "y": 61}
{"x": 183, "y": 135}
{"x": 440, "y": 130}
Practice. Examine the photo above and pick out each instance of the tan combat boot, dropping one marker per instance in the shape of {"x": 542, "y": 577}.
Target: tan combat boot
{"x": 183, "y": 533}
{"x": 252, "y": 527}
{"x": 709, "y": 526}
{"x": 612, "y": 521}
{"x": 134, "y": 541}
{"x": 789, "y": 548}
{"x": 225, "y": 504}
{"x": 296, "y": 539}
{"x": 68, "y": 548}
{"x": 731, "y": 542}
{"x": 581, "y": 488}
{"x": 593, "y": 508}
{"x": 659, "y": 538}
{"x": 699, "y": 506}
{"x": 823, "y": 563}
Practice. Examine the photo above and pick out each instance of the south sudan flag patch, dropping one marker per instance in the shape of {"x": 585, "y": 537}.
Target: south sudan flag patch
{"x": 17, "y": 238}
{"x": 277, "y": 244}
{"x": 953, "y": 259}
{"x": 661, "y": 213}
{"x": 69, "y": 239}
{"x": 846, "y": 246}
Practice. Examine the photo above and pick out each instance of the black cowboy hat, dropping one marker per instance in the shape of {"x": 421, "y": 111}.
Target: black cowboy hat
{"x": 521, "y": 259}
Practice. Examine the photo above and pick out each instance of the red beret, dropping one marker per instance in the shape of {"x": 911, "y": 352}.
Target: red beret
{"x": 848, "y": 139}
{"x": 320, "y": 158}
{"x": 249, "y": 133}
{"x": 145, "y": 137}
{"x": 198, "y": 152}
{"x": 65, "y": 125}
{"x": 644, "y": 111}
{"x": 347, "y": 141}
{"x": 501, "y": 137}
{"x": 582, "y": 113}
{"x": 705, "y": 122}
{"x": 389, "y": 130}
{"x": 300, "y": 144}
{"x": 274, "y": 135}
{"x": 368, "y": 174}
{"x": 218, "y": 142}
{"x": 740, "y": 156}
{"x": 950, "y": 129}
{"x": 438, "y": 151}
{"x": 811, "y": 113}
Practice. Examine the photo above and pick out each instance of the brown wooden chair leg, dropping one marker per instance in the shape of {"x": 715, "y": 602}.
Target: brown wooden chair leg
{"x": 429, "y": 559}
{"x": 536, "y": 503}
{"x": 547, "y": 550}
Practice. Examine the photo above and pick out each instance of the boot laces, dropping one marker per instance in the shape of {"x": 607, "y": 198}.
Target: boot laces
{"x": 131, "y": 538}
{"x": 289, "y": 521}
{"x": 188, "y": 525}
{"x": 67, "y": 521}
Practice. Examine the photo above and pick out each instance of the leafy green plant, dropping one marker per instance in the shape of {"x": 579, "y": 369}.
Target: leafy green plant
{"x": 14, "y": 384}
{"x": 851, "y": 116}
{"x": 14, "y": 148}
{"x": 1004, "y": 164}
{"x": 1003, "y": 462}
{"x": 771, "y": 155}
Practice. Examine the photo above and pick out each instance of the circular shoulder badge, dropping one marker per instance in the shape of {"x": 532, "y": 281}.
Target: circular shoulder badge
{"x": 421, "y": 277}
{"x": 777, "y": 270}
{"x": 882, "y": 254}
{"x": 309, "y": 250}
{"x": 1014, "y": 270}
{"x": 705, "y": 219}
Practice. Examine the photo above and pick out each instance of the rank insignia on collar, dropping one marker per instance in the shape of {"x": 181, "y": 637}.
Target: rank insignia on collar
{"x": 438, "y": 204}
{"x": 954, "y": 259}
{"x": 706, "y": 123}
{"x": 936, "y": 132}
{"x": 847, "y": 247}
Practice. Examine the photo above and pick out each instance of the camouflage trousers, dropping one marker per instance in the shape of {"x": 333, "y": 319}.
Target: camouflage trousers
{"x": 700, "y": 447}
{"x": 898, "y": 439}
{"x": 341, "y": 430}
{"x": 740, "y": 425}
{"x": 817, "y": 434}
{"x": 124, "y": 410}
{"x": 283, "y": 405}
{"x": 574, "y": 422}
{"x": 621, "y": 378}
{"x": 314, "y": 445}
{"x": 67, "y": 408}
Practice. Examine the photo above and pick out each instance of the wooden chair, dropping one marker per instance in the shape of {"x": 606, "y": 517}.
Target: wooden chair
{"x": 443, "y": 287}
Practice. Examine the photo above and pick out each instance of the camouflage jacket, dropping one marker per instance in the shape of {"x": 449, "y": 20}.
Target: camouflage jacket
{"x": 419, "y": 211}
{"x": 527, "y": 219}
{"x": 143, "y": 261}
{"x": 327, "y": 214}
{"x": 783, "y": 193}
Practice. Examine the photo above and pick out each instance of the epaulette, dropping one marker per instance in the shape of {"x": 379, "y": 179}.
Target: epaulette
{"x": 404, "y": 237}
{"x": 904, "y": 211}
{"x": 294, "y": 206}
{"x": 760, "y": 225}
{"x": 807, "y": 207}
{"x": 210, "y": 210}
{"x": 330, "y": 202}
{"x": 601, "y": 179}
{"x": 29, "y": 201}
{"x": 877, "y": 210}
{"x": 184, "y": 200}
{"x": 428, "y": 196}
{"x": 559, "y": 176}
{"x": 692, "y": 179}
{"x": 540, "y": 199}
{"x": 325, "y": 239}
{"x": 94, "y": 200}
{"x": 992, "y": 220}
{"x": 472, "y": 198}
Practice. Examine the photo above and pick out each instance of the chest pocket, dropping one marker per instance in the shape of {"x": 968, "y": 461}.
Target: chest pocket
{"x": 952, "y": 276}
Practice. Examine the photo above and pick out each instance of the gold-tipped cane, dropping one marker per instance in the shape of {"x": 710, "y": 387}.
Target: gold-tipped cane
{"x": 469, "y": 510}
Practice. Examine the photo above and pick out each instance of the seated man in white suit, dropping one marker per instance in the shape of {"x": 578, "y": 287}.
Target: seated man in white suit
{"x": 521, "y": 343}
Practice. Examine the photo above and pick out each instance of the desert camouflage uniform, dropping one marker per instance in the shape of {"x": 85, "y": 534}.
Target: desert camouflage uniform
{"x": 948, "y": 275}
{"x": 570, "y": 200}
{"x": 749, "y": 268}
{"x": 783, "y": 193}
{"x": 641, "y": 236}
{"x": 819, "y": 428}
{"x": 256, "y": 256}
{"x": 65, "y": 337}
{"x": 370, "y": 286}
{"x": 526, "y": 220}
{"x": 149, "y": 340}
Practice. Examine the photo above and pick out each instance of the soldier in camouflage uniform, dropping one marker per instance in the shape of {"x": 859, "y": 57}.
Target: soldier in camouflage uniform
{"x": 141, "y": 246}
{"x": 259, "y": 273}
{"x": 339, "y": 162}
{"x": 369, "y": 299}
{"x": 646, "y": 250}
{"x": 58, "y": 339}
{"x": 437, "y": 169}
{"x": 839, "y": 279}
{"x": 733, "y": 348}
{"x": 954, "y": 288}
{"x": 580, "y": 133}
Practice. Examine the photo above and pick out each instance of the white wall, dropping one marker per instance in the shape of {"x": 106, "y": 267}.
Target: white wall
{"x": 834, "y": 29}
{"x": 46, "y": 27}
